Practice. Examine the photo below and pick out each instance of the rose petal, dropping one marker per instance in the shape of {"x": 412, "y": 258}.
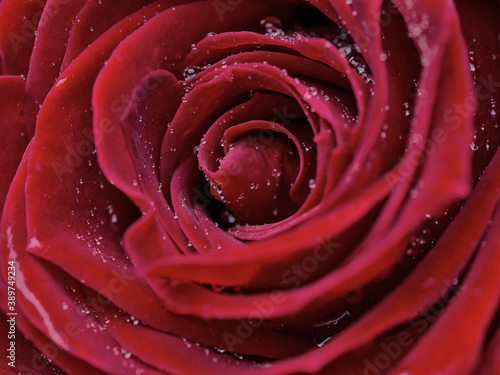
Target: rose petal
{"x": 484, "y": 51}
{"x": 478, "y": 296}
{"x": 50, "y": 45}
{"x": 440, "y": 267}
{"x": 48, "y": 298}
{"x": 18, "y": 24}
{"x": 13, "y": 139}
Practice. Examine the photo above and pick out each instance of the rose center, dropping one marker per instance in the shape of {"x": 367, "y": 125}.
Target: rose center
{"x": 254, "y": 178}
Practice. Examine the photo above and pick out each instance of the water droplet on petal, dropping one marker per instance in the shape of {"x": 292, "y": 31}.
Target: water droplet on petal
{"x": 272, "y": 26}
{"x": 323, "y": 332}
{"x": 474, "y": 61}
{"x": 358, "y": 63}
{"x": 414, "y": 87}
{"x": 276, "y": 173}
{"x": 61, "y": 82}
{"x": 190, "y": 72}
{"x": 34, "y": 243}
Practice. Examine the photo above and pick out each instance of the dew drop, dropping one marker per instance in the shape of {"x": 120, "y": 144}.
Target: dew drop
{"x": 272, "y": 26}
{"x": 61, "y": 82}
{"x": 345, "y": 50}
{"x": 313, "y": 90}
{"x": 323, "y": 332}
{"x": 34, "y": 243}
{"x": 358, "y": 63}
{"x": 228, "y": 216}
{"x": 190, "y": 72}
{"x": 186, "y": 342}
{"x": 414, "y": 87}
{"x": 474, "y": 61}
{"x": 406, "y": 106}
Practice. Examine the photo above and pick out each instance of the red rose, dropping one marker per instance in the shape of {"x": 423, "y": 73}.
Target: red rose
{"x": 238, "y": 186}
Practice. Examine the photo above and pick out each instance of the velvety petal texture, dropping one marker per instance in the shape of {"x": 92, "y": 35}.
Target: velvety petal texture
{"x": 245, "y": 187}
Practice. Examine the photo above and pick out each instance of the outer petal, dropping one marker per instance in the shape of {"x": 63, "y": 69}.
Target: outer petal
{"x": 13, "y": 140}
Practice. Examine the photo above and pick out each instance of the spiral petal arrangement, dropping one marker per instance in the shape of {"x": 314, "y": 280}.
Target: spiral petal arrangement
{"x": 231, "y": 187}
